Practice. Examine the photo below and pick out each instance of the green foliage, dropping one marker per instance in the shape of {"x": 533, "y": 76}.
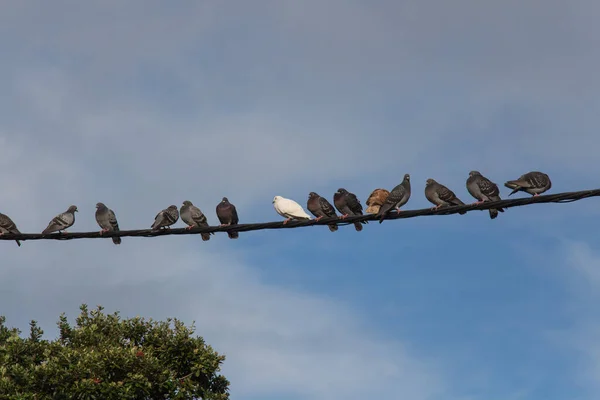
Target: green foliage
{"x": 106, "y": 357}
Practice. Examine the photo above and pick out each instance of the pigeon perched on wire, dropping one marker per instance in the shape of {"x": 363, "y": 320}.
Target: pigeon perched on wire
{"x": 483, "y": 190}
{"x": 227, "y": 215}
{"x": 165, "y": 218}
{"x": 289, "y": 209}
{"x": 440, "y": 195}
{"x": 534, "y": 183}
{"x": 321, "y": 208}
{"x": 376, "y": 200}
{"x": 107, "y": 220}
{"x": 398, "y": 197}
{"x": 348, "y": 204}
{"x": 8, "y": 226}
{"x": 62, "y": 221}
{"x": 191, "y": 215}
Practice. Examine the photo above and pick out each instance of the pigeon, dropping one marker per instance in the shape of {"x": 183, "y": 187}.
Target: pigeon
{"x": 166, "y": 218}
{"x": 191, "y": 215}
{"x": 321, "y": 208}
{"x": 8, "y": 226}
{"x": 289, "y": 209}
{"x": 440, "y": 195}
{"x": 534, "y": 183}
{"x": 227, "y": 215}
{"x": 398, "y": 197}
{"x": 62, "y": 221}
{"x": 105, "y": 217}
{"x": 348, "y": 204}
{"x": 376, "y": 200}
{"x": 483, "y": 190}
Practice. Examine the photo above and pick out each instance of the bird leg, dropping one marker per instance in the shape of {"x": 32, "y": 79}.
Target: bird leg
{"x": 188, "y": 227}
{"x": 287, "y": 220}
{"x": 536, "y": 194}
{"x": 343, "y": 216}
{"x": 398, "y": 209}
{"x": 318, "y": 218}
{"x": 478, "y": 202}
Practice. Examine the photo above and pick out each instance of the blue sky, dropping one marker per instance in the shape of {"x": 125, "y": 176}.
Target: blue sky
{"x": 142, "y": 105}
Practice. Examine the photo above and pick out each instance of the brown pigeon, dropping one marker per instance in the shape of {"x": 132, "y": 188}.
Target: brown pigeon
{"x": 483, "y": 190}
{"x": 376, "y": 200}
{"x": 227, "y": 215}
{"x": 8, "y": 226}
{"x": 440, "y": 195}
{"x": 321, "y": 208}
{"x": 165, "y": 218}
{"x": 534, "y": 183}
{"x": 348, "y": 204}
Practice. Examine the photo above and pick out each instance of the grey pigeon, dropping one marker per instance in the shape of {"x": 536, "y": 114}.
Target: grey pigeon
{"x": 483, "y": 190}
{"x": 106, "y": 218}
{"x": 8, "y": 226}
{"x": 397, "y": 198}
{"x": 227, "y": 215}
{"x": 321, "y": 208}
{"x": 533, "y": 182}
{"x": 62, "y": 221}
{"x": 348, "y": 204}
{"x": 191, "y": 215}
{"x": 166, "y": 218}
{"x": 440, "y": 195}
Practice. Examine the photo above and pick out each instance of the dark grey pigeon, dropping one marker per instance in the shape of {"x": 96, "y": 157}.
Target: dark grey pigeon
{"x": 191, "y": 215}
{"x": 107, "y": 220}
{"x": 321, "y": 208}
{"x": 534, "y": 183}
{"x": 227, "y": 215}
{"x": 166, "y": 218}
{"x": 483, "y": 190}
{"x": 62, "y": 221}
{"x": 397, "y": 198}
{"x": 348, "y": 204}
{"x": 440, "y": 195}
{"x": 8, "y": 226}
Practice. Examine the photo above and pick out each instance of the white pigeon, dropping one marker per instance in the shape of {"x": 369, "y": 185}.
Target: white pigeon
{"x": 289, "y": 209}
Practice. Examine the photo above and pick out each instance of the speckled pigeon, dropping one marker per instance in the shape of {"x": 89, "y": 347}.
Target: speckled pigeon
{"x": 107, "y": 220}
{"x": 191, "y": 215}
{"x": 534, "y": 183}
{"x": 348, "y": 204}
{"x": 440, "y": 195}
{"x": 227, "y": 215}
{"x": 321, "y": 208}
{"x": 166, "y": 218}
{"x": 483, "y": 190}
{"x": 62, "y": 221}
{"x": 398, "y": 197}
{"x": 8, "y": 226}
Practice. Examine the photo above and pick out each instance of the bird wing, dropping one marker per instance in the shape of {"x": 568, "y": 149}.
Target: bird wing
{"x": 326, "y": 207}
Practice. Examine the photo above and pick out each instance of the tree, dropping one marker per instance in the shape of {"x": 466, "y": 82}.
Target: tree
{"x": 106, "y": 357}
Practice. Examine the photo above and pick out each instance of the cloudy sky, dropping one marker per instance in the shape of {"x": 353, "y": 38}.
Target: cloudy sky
{"x": 141, "y": 104}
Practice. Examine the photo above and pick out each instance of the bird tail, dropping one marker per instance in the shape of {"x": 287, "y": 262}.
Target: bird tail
{"x": 382, "y": 211}
{"x": 116, "y": 239}
{"x": 206, "y": 236}
{"x": 333, "y": 227}
{"x": 19, "y": 243}
{"x": 514, "y": 185}
{"x": 493, "y": 213}
{"x": 358, "y": 226}
{"x": 233, "y": 235}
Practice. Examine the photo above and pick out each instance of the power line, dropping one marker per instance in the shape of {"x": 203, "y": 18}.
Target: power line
{"x": 566, "y": 197}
